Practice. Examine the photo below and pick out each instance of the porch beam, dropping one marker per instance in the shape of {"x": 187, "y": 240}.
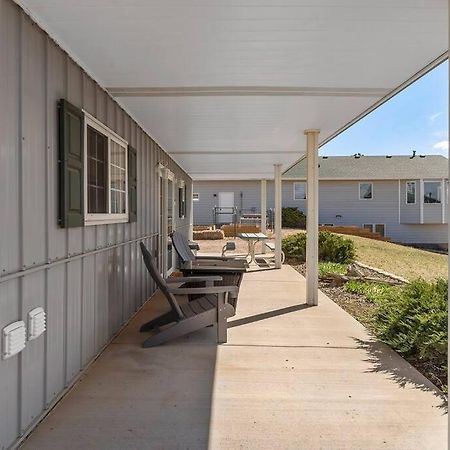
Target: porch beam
{"x": 278, "y": 206}
{"x": 199, "y": 91}
{"x": 263, "y": 211}
{"x": 312, "y": 217}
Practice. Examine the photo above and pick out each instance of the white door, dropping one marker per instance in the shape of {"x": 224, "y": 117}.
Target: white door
{"x": 226, "y": 203}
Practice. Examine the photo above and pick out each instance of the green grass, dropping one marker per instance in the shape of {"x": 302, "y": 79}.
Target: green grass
{"x": 327, "y": 267}
{"x": 374, "y": 292}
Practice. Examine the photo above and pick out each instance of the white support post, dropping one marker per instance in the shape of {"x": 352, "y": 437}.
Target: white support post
{"x": 263, "y": 211}
{"x": 190, "y": 199}
{"x": 312, "y": 217}
{"x": 278, "y": 206}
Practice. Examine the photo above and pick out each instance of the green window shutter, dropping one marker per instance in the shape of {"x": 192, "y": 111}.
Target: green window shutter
{"x": 132, "y": 184}
{"x": 71, "y": 162}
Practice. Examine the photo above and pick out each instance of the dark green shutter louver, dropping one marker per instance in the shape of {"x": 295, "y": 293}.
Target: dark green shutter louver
{"x": 132, "y": 184}
{"x": 71, "y": 140}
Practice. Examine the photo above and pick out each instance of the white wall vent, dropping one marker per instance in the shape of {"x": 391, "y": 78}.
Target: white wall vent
{"x": 14, "y": 338}
{"x": 36, "y": 323}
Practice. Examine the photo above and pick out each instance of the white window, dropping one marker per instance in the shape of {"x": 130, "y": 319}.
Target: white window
{"x": 432, "y": 192}
{"x": 195, "y": 197}
{"x": 365, "y": 191}
{"x": 106, "y": 179}
{"x": 410, "y": 192}
{"x": 300, "y": 191}
{"x": 181, "y": 200}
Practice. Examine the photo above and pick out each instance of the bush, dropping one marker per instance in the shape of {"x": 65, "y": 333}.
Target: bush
{"x": 332, "y": 248}
{"x": 414, "y": 320}
{"x": 292, "y": 218}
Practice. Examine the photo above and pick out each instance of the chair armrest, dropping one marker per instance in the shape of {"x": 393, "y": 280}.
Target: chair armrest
{"x": 204, "y": 290}
{"x": 194, "y": 278}
{"x": 215, "y": 258}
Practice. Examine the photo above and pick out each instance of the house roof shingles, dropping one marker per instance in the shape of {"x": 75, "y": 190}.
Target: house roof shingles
{"x": 374, "y": 168}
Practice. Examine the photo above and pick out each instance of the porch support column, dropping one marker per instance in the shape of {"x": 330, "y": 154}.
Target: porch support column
{"x": 277, "y": 170}
{"x": 263, "y": 210}
{"x": 312, "y": 217}
{"x": 190, "y": 199}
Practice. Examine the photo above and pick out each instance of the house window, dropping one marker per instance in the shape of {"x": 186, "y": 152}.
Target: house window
{"x": 365, "y": 191}
{"x": 410, "y": 192}
{"x": 432, "y": 192}
{"x": 299, "y": 191}
{"x": 195, "y": 197}
{"x": 106, "y": 183}
{"x": 182, "y": 202}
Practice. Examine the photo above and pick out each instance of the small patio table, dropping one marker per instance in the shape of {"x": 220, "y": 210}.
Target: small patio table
{"x": 252, "y": 239}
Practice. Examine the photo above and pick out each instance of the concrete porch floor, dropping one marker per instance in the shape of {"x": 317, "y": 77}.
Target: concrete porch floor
{"x": 290, "y": 377}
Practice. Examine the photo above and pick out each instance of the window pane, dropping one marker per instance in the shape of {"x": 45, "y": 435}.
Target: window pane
{"x": 365, "y": 191}
{"x": 432, "y": 192}
{"x": 411, "y": 192}
{"x": 118, "y": 178}
{"x": 299, "y": 191}
{"x": 96, "y": 171}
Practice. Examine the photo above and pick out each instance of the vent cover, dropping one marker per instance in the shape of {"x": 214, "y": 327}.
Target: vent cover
{"x": 36, "y": 323}
{"x": 14, "y": 338}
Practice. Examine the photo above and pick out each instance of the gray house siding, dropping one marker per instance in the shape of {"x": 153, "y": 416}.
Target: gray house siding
{"x": 90, "y": 280}
{"x": 337, "y": 198}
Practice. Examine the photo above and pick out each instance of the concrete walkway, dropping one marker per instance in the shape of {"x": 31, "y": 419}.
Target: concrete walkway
{"x": 290, "y": 377}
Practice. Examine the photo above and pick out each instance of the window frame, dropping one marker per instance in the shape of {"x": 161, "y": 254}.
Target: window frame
{"x": 359, "y": 191}
{"x": 439, "y": 183}
{"x": 306, "y": 190}
{"x": 104, "y": 218}
{"x": 181, "y": 199}
{"x": 415, "y": 192}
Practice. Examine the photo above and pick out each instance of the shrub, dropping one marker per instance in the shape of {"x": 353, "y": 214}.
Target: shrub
{"x": 332, "y": 248}
{"x": 292, "y": 218}
{"x": 414, "y": 320}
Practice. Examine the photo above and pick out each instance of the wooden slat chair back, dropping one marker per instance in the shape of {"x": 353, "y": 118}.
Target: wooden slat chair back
{"x": 159, "y": 280}
{"x": 209, "y": 309}
{"x": 182, "y": 248}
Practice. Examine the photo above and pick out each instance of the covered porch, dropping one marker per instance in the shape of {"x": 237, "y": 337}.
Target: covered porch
{"x": 290, "y": 376}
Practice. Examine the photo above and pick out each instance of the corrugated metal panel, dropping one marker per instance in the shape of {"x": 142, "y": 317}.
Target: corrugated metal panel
{"x": 56, "y": 89}
{"x": 88, "y": 311}
{"x": 75, "y": 96}
{"x": 55, "y": 335}
{"x": 9, "y": 368}
{"x": 32, "y": 367}
{"x": 86, "y": 298}
{"x": 33, "y": 148}
{"x": 9, "y": 143}
{"x": 73, "y": 319}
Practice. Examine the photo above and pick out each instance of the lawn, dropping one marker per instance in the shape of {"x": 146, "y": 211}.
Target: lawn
{"x": 406, "y": 262}
{"x": 400, "y": 260}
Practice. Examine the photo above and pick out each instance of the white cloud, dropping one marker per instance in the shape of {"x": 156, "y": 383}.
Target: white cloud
{"x": 442, "y": 145}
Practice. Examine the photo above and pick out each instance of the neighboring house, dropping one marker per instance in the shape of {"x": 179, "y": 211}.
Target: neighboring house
{"x": 402, "y": 197}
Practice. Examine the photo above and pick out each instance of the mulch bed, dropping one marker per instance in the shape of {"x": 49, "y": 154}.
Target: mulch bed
{"x": 361, "y": 309}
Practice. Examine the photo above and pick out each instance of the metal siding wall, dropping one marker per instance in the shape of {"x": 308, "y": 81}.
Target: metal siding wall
{"x": 87, "y": 296}
{"x": 9, "y": 142}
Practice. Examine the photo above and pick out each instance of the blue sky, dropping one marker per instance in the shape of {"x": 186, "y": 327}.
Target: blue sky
{"x": 415, "y": 119}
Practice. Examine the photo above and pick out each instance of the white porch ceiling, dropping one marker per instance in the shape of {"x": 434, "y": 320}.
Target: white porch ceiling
{"x": 228, "y": 86}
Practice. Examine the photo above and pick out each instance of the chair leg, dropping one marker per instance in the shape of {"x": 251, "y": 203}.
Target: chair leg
{"x": 159, "y": 321}
{"x": 221, "y": 319}
{"x": 182, "y": 328}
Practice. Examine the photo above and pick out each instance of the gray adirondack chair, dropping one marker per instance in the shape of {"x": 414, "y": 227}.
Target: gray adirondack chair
{"x": 181, "y": 244}
{"x": 209, "y": 309}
